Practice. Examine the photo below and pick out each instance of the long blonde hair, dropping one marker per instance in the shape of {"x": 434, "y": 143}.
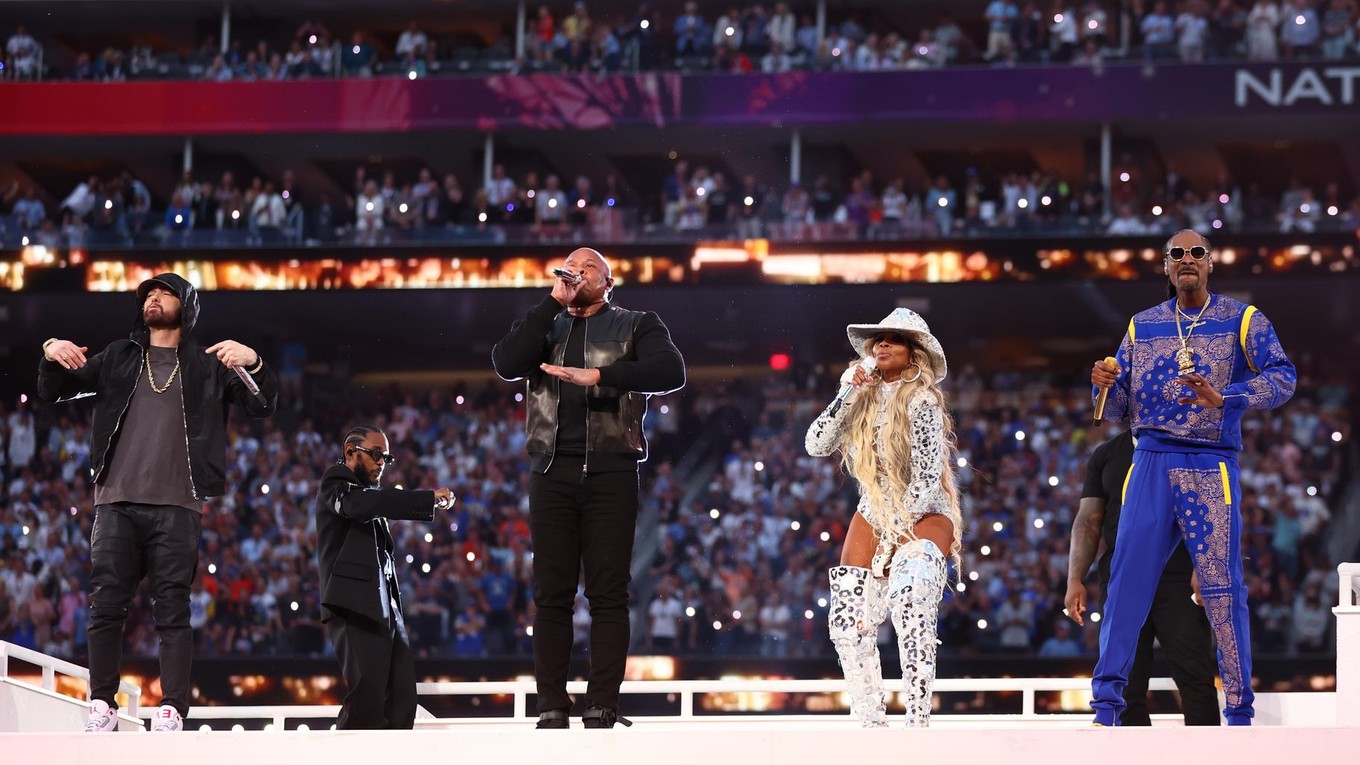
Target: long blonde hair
{"x": 860, "y": 455}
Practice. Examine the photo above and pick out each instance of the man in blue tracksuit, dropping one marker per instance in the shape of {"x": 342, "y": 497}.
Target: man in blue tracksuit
{"x": 1186, "y": 372}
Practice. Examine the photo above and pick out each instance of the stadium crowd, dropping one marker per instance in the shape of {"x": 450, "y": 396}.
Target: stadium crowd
{"x": 739, "y": 37}
{"x": 739, "y": 552}
{"x": 382, "y": 206}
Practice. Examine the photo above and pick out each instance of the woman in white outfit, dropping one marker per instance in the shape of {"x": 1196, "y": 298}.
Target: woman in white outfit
{"x": 896, "y": 439}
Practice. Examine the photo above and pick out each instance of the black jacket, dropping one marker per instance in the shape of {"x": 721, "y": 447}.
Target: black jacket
{"x": 636, "y": 359}
{"x": 209, "y": 388}
{"x": 353, "y": 544}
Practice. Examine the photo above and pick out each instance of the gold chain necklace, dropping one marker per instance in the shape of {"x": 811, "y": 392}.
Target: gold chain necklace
{"x": 1185, "y": 360}
{"x": 168, "y": 381}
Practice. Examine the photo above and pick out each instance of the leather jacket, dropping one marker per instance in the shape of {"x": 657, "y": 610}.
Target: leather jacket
{"x": 636, "y": 359}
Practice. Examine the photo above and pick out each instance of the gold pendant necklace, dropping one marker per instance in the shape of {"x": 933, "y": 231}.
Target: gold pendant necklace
{"x": 1185, "y": 359}
{"x": 168, "y": 381}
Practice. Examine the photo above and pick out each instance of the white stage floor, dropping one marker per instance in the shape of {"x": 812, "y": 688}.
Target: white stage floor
{"x": 702, "y": 743}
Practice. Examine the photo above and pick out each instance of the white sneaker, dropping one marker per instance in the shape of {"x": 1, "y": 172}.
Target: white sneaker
{"x": 166, "y": 719}
{"x": 102, "y": 718}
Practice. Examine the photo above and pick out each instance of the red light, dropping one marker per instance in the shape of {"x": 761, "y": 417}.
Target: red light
{"x": 779, "y": 361}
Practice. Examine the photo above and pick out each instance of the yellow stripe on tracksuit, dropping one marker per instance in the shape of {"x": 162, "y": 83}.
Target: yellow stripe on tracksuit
{"x": 1242, "y": 336}
{"x": 1227, "y": 487}
{"x": 1124, "y": 493}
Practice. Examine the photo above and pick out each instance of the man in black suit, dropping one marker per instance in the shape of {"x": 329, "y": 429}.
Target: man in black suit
{"x": 360, "y": 596}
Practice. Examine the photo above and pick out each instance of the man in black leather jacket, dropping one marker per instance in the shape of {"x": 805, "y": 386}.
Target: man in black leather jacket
{"x": 589, "y": 367}
{"x": 360, "y": 594}
{"x": 157, "y": 453}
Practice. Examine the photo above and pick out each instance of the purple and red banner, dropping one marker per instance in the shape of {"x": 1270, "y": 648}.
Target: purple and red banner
{"x": 594, "y": 102}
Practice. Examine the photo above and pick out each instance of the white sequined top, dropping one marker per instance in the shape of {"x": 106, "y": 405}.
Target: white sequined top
{"x": 925, "y": 492}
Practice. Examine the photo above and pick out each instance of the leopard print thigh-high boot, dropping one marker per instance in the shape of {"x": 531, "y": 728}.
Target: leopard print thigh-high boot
{"x": 916, "y": 580}
{"x": 858, "y": 606}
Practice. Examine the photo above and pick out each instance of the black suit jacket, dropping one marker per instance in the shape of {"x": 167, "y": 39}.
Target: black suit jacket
{"x": 353, "y": 543}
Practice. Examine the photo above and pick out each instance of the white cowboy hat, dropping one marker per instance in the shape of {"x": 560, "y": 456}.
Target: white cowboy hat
{"x": 907, "y": 322}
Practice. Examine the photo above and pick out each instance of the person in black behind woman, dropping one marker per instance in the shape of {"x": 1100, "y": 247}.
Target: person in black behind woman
{"x": 590, "y": 367}
{"x": 1175, "y": 620}
{"x": 360, "y": 594}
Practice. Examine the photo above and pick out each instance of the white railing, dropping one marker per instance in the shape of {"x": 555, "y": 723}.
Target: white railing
{"x": 1347, "y": 614}
{"x": 1349, "y": 591}
{"x": 685, "y": 692}
{"x": 51, "y": 667}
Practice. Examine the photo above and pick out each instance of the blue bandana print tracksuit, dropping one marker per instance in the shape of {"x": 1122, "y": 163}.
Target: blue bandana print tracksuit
{"x": 1184, "y": 483}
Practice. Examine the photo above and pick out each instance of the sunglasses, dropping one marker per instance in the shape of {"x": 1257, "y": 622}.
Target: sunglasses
{"x": 1177, "y": 254}
{"x": 377, "y": 456}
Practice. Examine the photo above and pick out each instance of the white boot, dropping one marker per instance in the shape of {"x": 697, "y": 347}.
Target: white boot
{"x": 915, "y": 585}
{"x": 858, "y": 606}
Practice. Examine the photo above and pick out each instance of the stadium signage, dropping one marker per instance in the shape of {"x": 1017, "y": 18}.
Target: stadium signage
{"x": 1332, "y": 86}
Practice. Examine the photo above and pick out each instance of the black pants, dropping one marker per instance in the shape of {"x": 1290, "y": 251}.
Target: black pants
{"x": 1183, "y": 630}
{"x": 129, "y": 542}
{"x": 379, "y": 671}
{"x": 581, "y": 521}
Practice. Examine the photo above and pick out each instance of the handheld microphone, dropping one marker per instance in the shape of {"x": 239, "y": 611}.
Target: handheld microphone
{"x": 441, "y": 503}
{"x": 1104, "y": 394}
{"x": 249, "y": 383}
{"x": 567, "y": 276}
{"x": 868, "y": 364}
